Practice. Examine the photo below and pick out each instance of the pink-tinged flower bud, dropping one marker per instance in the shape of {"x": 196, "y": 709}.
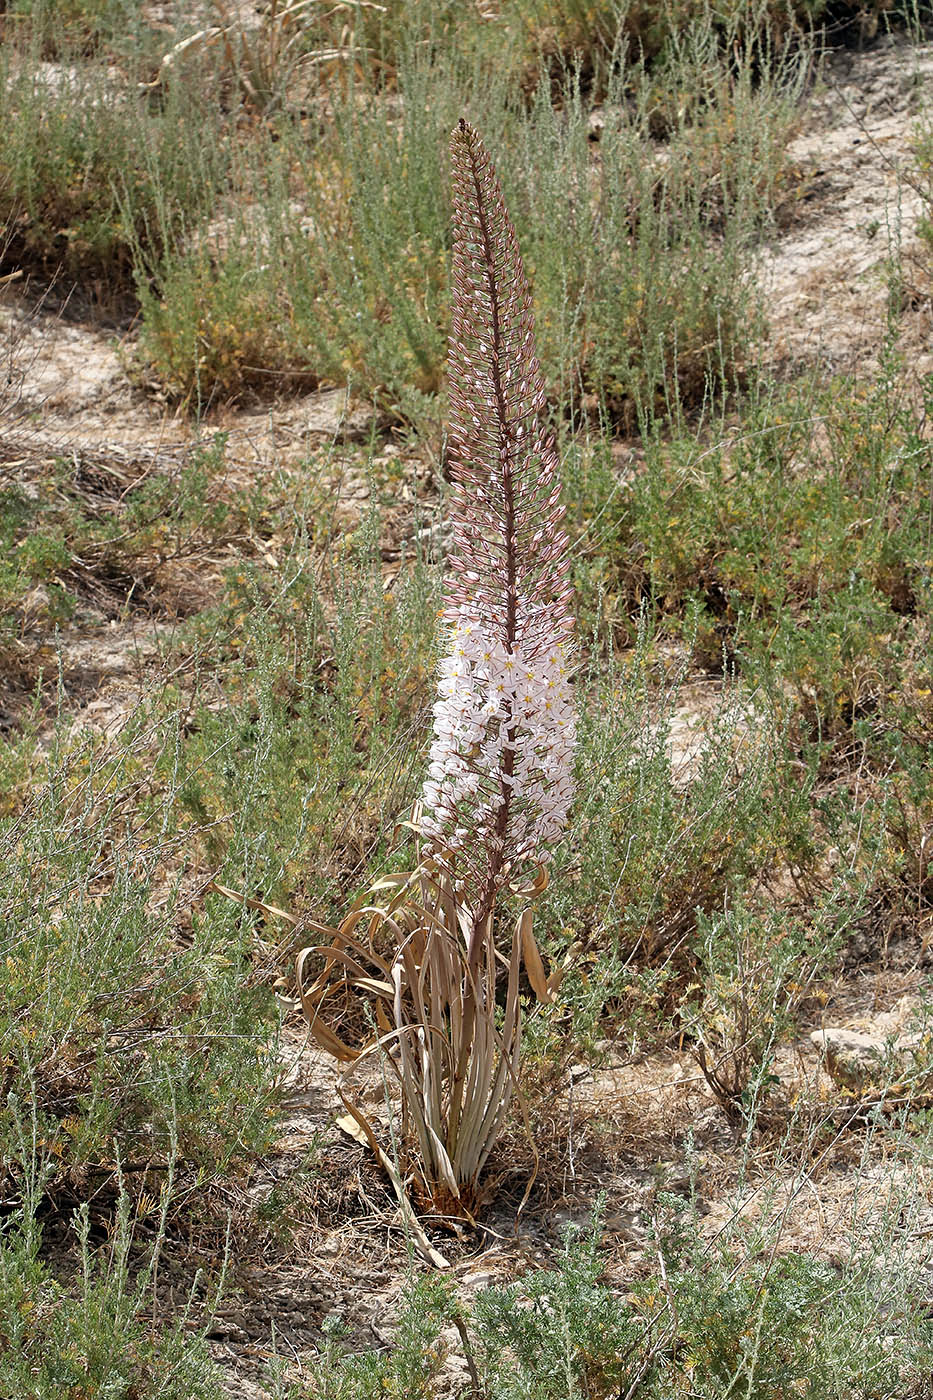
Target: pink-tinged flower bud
{"x": 504, "y": 715}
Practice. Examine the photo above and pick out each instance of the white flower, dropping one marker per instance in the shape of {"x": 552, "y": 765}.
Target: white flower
{"x": 503, "y": 735}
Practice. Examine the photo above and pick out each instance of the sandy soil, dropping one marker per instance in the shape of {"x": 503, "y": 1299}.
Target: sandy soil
{"x": 827, "y": 277}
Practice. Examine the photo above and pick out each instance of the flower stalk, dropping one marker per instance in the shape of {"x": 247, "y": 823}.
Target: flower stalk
{"x": 499, "y": 781}
{"x": 500, "y": 778}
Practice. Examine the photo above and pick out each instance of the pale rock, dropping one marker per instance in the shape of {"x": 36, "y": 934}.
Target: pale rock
{"x": 862, "y": 1062}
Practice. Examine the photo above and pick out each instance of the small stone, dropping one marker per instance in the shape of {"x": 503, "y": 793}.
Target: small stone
{"x": 862, "y": 1062}
{"x": 332, "y": 413}
{"x": 853, "y": 1059}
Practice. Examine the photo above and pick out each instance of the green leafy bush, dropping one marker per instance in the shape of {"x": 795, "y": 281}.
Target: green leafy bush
{"x": 320, "y": 744}
{"x": 729, "y": 1317}
{"x": 92, "y": 179}
{"x": 409, "y": 1369}
{"x": 93, "y": 1340}
{"x": 129, "y": 1021}
{"x": 336, "y": 265}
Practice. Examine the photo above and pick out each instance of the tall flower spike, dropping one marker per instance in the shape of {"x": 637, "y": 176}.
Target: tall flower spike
{"x": 500, "y": 778}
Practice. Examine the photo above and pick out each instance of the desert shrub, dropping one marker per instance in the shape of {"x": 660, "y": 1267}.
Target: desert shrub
{"x": 19, "y": 759}
{"x": 87, "y": 540}
{"x": 327, "y": 258}
{"x": 93, "y": 1338}
{"x": 731, "y": 1316}
{"x": 521, "y": 35}
{"x": 658, "y": 843}
{"x": 796, "y": 553}
{"x": 833, "y": 624}
{"x": 222, "y": 328}
{"x": 778, "y": 1324}
{"x": 717, "y": 867}
{"x": 90, "y": 174}
{"x": 734, "y": 1315}
{"x": 344, "y": 282}
{"x": 411, "y": 1366}
{"x": 67, "y": 29}
{"x": 559, "y": 1334}
{"x": 793, "y": 559}
{"x": 563, "y": 30}
{"x": 637, "y": 258}
{"x": 320, "y": 743}
{"x": 754, "y": 967}
{"x": 129, "y": 1023}
{"x": 838, "y": 662}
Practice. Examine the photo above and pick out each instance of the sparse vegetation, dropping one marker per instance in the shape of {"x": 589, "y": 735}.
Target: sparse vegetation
{"x": 709, "y": 1320}
{"x": 217, "y": 648}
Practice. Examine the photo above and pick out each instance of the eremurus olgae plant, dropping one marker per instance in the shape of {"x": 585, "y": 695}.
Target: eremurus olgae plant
{"x": 422, "y": 945}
